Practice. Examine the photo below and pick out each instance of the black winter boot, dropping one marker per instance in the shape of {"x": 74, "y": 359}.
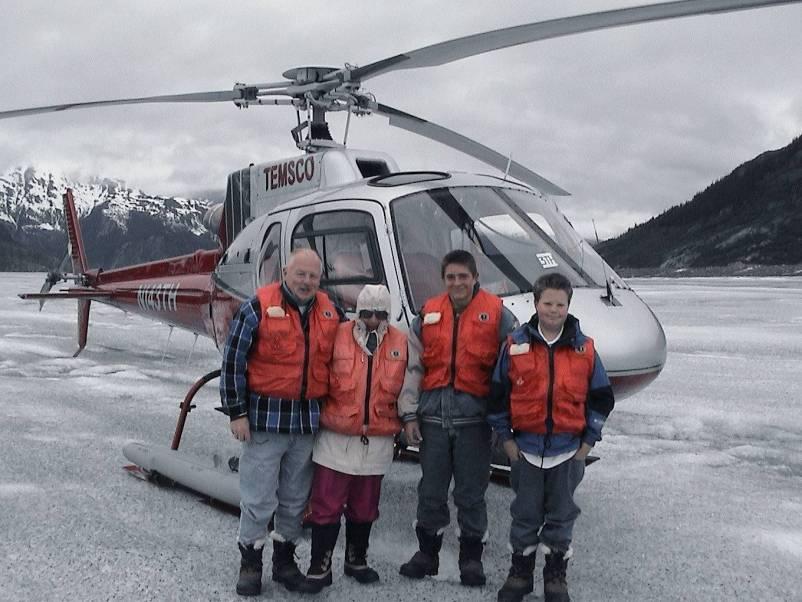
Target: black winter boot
{"x": 426, "y": 561}
{"x": 471, "y": 571}
{"x": 357, "y": 536}
{"x": 285, "y": 569}
{"x": 250, "y": 571}
{"x": 324, "y": 538}
{"x": 520, "y": 580}
{"x": 555, "y": 587}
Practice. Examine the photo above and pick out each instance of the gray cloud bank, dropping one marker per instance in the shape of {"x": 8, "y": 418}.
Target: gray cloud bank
{"x": 631, "y": 120}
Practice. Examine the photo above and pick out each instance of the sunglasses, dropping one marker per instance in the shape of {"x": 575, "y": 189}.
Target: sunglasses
{"x": 367, "y": 314}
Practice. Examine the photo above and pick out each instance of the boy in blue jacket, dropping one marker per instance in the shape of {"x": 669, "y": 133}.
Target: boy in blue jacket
{"x": 550, "y": 398}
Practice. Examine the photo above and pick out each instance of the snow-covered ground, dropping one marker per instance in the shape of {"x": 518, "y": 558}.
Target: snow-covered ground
{"x": 698, "y": 495}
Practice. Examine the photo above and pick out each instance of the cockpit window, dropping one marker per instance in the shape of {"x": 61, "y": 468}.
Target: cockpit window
{"x": 270, "y": 266}
{"x": 346, "y": 241}
{"x": 560, "y": 230}
{"x": 513, "y": 245}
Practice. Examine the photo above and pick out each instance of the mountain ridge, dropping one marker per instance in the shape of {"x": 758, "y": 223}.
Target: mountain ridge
{"x": 751, "y": 217}
{"x": 120, "y": 225}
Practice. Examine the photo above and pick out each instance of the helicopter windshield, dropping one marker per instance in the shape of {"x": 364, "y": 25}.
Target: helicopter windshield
{"x": 515, "y": 236}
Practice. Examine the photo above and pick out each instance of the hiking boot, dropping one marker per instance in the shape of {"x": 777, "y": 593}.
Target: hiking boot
{"x": 285, "y": 569}
{"x": 250, "y": 571}
{"x": 555, "y": 587}
{"x": 471, "y": 571}
{"x": 426, "y": 561}
{"x": 520, "y": 580}
{"x": 324, "y": 538}
{"x": 356, "y": 553}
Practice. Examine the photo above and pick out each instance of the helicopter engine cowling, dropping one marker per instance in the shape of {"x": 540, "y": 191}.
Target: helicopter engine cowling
{"x": 213, "y": 218}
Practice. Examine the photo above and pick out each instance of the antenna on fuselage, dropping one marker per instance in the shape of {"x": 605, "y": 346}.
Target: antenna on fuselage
{"x": 608, "y": 298}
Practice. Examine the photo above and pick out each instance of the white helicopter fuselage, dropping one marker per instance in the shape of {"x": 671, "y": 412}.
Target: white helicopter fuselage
{"x": 395, "y": 228}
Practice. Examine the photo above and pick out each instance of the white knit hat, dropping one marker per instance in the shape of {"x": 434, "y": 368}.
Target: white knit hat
{"x": 375, "y": 297}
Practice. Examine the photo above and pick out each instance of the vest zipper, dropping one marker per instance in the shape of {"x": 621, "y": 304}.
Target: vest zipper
{"x": 366, "y": 420}
{"x": 550, "y": 400}
{"x": 305, "y": 328}
{"x": 454, "y": 335}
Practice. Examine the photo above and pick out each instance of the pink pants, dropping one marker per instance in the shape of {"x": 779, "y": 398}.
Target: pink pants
{"x": 336, "y": 493}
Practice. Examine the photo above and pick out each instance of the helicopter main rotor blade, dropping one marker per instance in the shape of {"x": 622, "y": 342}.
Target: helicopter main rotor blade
{"x": 460, "y": 48}
{"x": 239, "y": 93}
{"x": 450, "y": 138}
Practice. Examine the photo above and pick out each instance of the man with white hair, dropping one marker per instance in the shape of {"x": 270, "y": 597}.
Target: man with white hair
{"x": 275, "y": 371}
{"x": 354, "y": 447}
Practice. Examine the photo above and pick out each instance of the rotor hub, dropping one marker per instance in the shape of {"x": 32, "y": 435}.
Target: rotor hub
{"x": 308, "y": 75}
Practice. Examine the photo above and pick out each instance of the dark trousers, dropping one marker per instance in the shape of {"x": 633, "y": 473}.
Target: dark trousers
{"x": 543, "y": 509}
{"x": 464, "y": 454}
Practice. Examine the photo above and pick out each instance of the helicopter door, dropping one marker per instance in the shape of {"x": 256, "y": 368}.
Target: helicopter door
{"x": 346, "y": 236}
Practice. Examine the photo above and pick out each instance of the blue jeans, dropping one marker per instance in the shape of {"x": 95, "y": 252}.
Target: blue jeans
{"x": 464, "y": 454}
{"x": 275, "y": 475}
{"x": 543, "y": 509}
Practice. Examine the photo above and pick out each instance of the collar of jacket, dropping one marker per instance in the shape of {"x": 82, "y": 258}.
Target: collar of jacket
{"x": 571, "y": 335}
{"x": 292, "y": 300}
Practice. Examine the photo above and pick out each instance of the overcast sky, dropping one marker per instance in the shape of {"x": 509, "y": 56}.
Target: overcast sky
{"x": 631, "y": 121}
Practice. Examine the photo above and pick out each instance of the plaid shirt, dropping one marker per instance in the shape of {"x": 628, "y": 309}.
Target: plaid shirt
{"x": 270, "y": 414}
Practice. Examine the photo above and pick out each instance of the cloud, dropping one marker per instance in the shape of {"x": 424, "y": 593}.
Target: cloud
{"x": 630, "y": 120}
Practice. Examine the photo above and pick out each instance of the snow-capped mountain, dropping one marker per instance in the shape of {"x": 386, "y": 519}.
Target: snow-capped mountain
{"x": 120, "y": 225}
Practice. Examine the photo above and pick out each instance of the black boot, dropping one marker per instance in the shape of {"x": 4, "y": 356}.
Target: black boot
{"x": 520, "y": 580}
{"x": 426, "y": 561}
{"x": 324, "y": 538}
{"x": 471, "y": 571}
{"x": 555, "y": 587}
{"x": 285, "y": 569}
{"x": 250, "y": 571}
{"x": 356, "y": 552}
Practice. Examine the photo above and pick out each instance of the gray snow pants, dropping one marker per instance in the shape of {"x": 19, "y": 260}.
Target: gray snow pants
{"x": 464, "y": 454}
{"x": 275, "y": 475}
{"x": 543, "y": 509}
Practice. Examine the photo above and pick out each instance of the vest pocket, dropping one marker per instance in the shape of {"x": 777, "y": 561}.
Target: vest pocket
{"x": 280, "y": 339}
{"x": 528, "y": 414}
{"x": 479, "y": 368}
{"x": 385, "y": 409}
{"x": 384, "y": 419}
{"x": 341, "y": 409}
{"x": 320, "y": 373}
{"x": 393, "y": 366}
{"x": 343, "y": 382}
{"x": 569, "y": 416}
{"x": 482, "y": 346}
{"x": 573, "y": 380}
{"x": 340, "y": 418}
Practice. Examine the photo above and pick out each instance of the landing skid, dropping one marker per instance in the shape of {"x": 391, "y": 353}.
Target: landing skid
{"x": 217, "y": 480}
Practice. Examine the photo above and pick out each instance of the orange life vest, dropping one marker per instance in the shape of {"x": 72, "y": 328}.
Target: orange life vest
{"x": 344, "y": 409}
{"x": 476, "y": 346}
{"x": 531, "y": 380}
{"x": 278, "y": 356}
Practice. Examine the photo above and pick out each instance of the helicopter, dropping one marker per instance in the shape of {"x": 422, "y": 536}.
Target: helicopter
{"x": 372, "y": 223}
